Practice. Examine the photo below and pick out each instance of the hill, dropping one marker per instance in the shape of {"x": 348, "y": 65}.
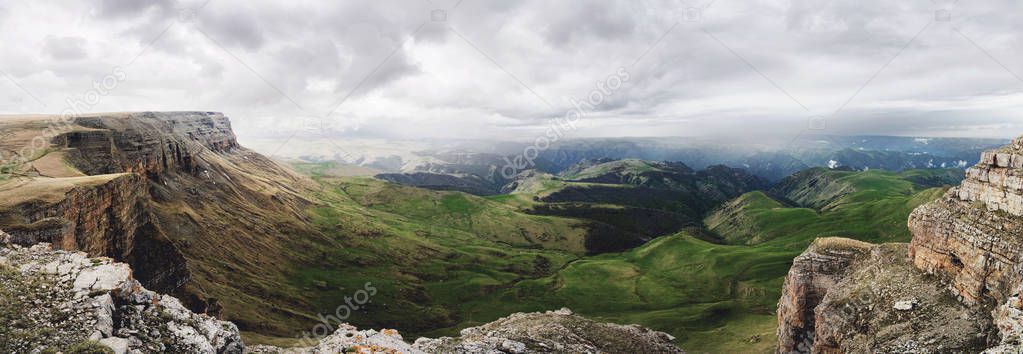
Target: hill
{"x": 715, "y": 297}
{"x": 236, "y": 235}
{"x": 635, "y": 201}
{"x": 869, "y": 205}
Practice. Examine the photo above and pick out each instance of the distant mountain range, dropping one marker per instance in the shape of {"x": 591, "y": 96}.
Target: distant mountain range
{"x": 475, "y": 166}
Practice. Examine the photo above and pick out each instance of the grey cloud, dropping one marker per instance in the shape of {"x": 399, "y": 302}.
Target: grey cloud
{"x": 232, "y": 26}
{"x": 128, "y": 8}
{"x": 65, "y": 48}
{"x": 317, "y": 52}
{"x": 569, "y": 23}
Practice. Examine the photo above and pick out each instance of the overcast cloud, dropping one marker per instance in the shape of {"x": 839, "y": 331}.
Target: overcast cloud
{"x": 504, "y": 69}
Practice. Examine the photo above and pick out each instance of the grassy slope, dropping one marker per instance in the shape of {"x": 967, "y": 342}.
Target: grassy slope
{"x": 870, "y": 206}
{"x": 720, "y": 298}
{"x": 443, "y": 261}
{"x": 630, "y": 165}
{"x": 426, "y": 252}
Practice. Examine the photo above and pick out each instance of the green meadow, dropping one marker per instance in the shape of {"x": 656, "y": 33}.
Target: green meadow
{"x": 443, "y": 261}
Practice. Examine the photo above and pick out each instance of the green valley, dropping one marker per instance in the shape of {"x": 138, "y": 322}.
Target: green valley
{"x": 457, "y": 260}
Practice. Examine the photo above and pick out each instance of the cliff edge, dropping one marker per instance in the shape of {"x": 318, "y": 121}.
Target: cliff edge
{"x": 955, "y": 288}
{"x": 55, "y": 300}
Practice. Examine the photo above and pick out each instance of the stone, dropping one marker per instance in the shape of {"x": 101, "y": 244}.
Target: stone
{"x": 118, "y": 345}
{"x": 106, "y": 277}
{"x": 905, "y": 305}
{"x": 513, "y": 347}
{"x": 560, "y": 330}
{"x": 100, "y": 300}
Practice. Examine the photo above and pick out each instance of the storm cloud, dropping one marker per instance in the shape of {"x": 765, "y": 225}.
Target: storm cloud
{"x": 505, "y": 69}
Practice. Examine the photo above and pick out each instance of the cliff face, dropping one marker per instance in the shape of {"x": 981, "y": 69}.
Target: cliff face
{"x": 172, "y": 194}
{"x": 847, "y": 296}
{"x": 974, "y": 236}
{"x": 110, "y": 219}
{"x": 147, "y": 143}
{"x": 956, "y": 287}
{"x": 824, "y": 264}
{"x": 115, "y": 218}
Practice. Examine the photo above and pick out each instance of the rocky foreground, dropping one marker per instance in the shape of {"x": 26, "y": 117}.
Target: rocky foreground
{"x": 955, "y": 288}
{"x": 58, "y": 300}
{"x": 53, "y": 300}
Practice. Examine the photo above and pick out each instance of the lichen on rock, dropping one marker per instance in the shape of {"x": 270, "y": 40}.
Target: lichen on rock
{"x": 53, "y": 299}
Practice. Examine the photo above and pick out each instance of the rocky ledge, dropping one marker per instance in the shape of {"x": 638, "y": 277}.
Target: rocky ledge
{"x": 551, "y": 332}
{"x": 973, "y": 239}
{"x": 955, "y": 288}
{"x": 53, "y": 300}
{"x": 547, "y": 332}
{"x": 847, "y": 296}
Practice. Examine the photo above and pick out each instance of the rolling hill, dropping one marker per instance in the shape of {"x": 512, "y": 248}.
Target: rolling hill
{"x": 238, "y": 235}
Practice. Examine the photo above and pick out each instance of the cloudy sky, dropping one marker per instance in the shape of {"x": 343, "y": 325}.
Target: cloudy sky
{"x": 505, "y": 69}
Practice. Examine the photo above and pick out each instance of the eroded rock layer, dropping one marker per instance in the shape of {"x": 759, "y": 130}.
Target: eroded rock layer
{"x": 870, "y": 299}
{"x": 171, "y": 193}
{"x": 820, "y": 267}
{"x": 957, "y": 291}
{"x": 974, "y": 235}
{"x": 147, "y": 143}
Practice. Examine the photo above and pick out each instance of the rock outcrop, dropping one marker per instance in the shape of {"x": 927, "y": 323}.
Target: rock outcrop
{"x": 551, "y": 332}
{"x": 826, "y": 262}
{"x": 548, "y": 332}
{"x": 847, "y": 296}
{"x": 348, "y": 339}
{"x": 973, "y": 236}
{"x": 54, "y": 300}
{"x": 956, "y": 288}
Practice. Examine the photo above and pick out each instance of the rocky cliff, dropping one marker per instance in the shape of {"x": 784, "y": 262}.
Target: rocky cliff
{"x": 164, "y": 192}
{"x": 148, "y": 143}
{"x": 108, "y": 217}
{"x": 974, "y": 236}
{"x": 955, "y": 288}
{"x": 55, "y": 300}
{"x": 847, "y": 296}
